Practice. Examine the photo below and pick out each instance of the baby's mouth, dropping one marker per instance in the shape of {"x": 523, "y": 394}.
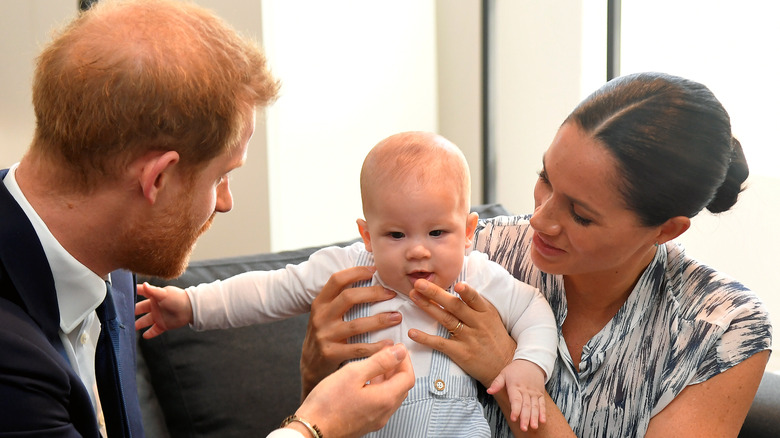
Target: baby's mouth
{"x": 414, "y": 276}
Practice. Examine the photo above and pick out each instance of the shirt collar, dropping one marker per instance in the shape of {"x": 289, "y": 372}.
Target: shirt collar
{"x": 79, "y": 290}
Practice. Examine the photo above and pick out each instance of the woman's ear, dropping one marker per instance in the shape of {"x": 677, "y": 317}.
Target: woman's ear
{"x": 363, "y": 229}
{"x": 471, "y": 227}
{"x": 672, "y": 228}
{"x": 155, "y": 171}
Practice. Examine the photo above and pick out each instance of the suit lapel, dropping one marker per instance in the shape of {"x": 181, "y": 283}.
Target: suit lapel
{"x": 19, "y": 250}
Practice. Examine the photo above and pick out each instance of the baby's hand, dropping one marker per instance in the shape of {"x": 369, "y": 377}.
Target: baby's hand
{"x": 524, "y": 382}
{"x": 166, "y": 309}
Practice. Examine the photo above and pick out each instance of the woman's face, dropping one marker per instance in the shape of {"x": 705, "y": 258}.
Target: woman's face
{"x": 581, "y": 223}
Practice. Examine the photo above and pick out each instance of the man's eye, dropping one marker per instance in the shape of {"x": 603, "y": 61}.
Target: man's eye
{"x": 436, "y": 233}
{"x": 396, "y": 235}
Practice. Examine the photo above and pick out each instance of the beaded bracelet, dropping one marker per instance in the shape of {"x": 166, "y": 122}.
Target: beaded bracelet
{"x": 315, "y": 431}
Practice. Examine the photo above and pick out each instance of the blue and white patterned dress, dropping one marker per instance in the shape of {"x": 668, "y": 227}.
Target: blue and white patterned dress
{"x": 682, "y": 324}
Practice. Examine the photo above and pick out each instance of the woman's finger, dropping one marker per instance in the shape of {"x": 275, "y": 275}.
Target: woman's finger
{"x": 446, "y": 308}
{"x": 471, "y": 297}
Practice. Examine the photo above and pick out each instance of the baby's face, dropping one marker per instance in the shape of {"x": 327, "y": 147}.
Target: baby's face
{"x": 418, "y": 234}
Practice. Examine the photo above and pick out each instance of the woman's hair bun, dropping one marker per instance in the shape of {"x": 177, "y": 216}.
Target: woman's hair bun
{"x": 737, "y": 173}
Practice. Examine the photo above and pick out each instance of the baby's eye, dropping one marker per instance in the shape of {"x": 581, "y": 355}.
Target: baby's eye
{"x": 436, "y": 233}
{"x": 396, "y": 234}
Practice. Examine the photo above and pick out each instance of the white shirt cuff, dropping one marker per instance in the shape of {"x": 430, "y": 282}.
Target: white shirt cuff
{"x": 285, "y": 433}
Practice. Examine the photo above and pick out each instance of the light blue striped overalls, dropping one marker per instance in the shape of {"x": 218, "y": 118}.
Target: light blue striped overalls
{"x": 439, "y": 404}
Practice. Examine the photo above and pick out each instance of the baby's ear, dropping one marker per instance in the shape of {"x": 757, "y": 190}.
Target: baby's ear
{"x": 363, "y": 229}
{"x": 471, "y": 227}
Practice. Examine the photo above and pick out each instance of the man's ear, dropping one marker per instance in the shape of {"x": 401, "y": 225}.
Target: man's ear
{"x": 471, "y": 227}
{"x": 155, "y": 172}
{"x": 363, "y": 229}
{"x": 672, "y": 228}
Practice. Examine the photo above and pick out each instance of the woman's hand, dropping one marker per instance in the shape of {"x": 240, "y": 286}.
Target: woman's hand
{"x": 325, "y": 347}
{"x": 480, "y": 344}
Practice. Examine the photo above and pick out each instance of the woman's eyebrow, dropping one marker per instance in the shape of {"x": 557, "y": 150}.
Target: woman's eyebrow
{"x": 593, "y": 213}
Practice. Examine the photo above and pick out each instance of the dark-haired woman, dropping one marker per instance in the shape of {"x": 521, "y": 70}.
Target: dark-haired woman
{"x": 652, "y": 342}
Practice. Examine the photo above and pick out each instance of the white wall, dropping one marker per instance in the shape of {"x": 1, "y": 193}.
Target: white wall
{"x": 353, "y": 73}
{"x": 24, "y": 28}
{"x": 538, "y": 70}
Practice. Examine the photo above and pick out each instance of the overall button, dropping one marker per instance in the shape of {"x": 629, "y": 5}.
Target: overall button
{"x": 439, "y": 384}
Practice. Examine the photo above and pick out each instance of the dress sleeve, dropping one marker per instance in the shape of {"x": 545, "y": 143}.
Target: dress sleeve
{"x": 748, "y": 331}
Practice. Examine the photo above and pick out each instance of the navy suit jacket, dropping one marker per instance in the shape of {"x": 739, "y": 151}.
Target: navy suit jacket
{"x": 40, "y": 393}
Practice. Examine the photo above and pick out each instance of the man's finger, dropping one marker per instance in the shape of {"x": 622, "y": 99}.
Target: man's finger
{"x": 383, "y": 362}
{"x": 338, "y": 281}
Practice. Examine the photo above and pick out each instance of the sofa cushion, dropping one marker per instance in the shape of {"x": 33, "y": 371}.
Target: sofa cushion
{"x": 763, "y": 420}
{"x": 237, "y": 382}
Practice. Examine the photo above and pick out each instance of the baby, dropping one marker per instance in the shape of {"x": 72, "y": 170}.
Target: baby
{"x": 415, "y": 189}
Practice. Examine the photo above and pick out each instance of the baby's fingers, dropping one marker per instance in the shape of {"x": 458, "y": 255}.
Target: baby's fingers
{"x": 143, "y": 307}
{"x": 144, "y": 321}
{"x": 152, "y": 292}
{"x": 498, "y": 384}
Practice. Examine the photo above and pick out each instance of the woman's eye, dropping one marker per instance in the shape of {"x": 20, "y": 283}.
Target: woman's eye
{"x": 436, "y": 233}
{"x": 579, "y": 219}
{"x": 543, "y": 176}
{"x": 396, "y": 234}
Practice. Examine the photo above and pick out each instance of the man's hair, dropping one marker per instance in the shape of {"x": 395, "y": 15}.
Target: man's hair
{"x": 128, "y": 77}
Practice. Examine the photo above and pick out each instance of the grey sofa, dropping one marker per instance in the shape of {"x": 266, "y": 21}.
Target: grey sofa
{"x": 243, "y": 382}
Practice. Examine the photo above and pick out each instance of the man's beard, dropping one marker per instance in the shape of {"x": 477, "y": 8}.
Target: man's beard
{"x": 162, "y": 248}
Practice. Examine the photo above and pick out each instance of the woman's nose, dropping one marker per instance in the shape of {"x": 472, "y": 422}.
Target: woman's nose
{"x": 544, "y": 219}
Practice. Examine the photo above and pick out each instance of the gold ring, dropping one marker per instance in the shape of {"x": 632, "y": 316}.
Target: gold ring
{"x": 458, "y": 328}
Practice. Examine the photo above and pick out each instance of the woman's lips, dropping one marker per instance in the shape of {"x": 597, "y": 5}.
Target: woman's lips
{"x": 545, "y": 248}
